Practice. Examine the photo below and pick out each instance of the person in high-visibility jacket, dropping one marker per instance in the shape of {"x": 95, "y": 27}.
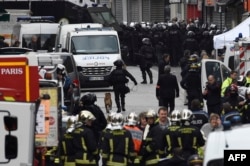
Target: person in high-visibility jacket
{"x": 117, "y": 147}
{"x": 227, "y": 82}
{"x": 137, "y": 134}
{"x": 84, "y": 141}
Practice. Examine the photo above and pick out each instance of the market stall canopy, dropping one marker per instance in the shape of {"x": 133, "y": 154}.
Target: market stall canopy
{"x": 228, "y": 37}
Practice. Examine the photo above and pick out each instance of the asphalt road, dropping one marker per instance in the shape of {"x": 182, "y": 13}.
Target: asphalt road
{"x": 142, "y": 97}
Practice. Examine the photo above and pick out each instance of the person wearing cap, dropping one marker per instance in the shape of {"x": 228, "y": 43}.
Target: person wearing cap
{"x": 118, "y": 79}
{"x": 2, "y": 43}
{"x": 167, "y": 89}
{"x": 228, "y": 81}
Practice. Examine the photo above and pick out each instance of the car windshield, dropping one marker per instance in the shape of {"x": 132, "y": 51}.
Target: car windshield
{"x": 103, "y": 18}
{"x": 101, "y": 44}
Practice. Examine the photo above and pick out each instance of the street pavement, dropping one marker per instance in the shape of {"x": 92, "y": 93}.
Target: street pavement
{"x": 142, "y": 97}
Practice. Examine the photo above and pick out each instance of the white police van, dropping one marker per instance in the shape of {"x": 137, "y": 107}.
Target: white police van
{"x": 94, "y": 49}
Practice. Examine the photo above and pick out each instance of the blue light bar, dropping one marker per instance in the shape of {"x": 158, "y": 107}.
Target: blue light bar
{"x": 37, "y": 18}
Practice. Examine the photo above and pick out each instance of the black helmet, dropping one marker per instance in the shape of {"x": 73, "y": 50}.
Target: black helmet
{"x": 195, "y": 160}
{"x": 118, "y": 63}
{"x": 205, "y": 33}
{"x": 146, "y": 41}
{"x": 190, "y": 34}
{"x": 88, "y": 99}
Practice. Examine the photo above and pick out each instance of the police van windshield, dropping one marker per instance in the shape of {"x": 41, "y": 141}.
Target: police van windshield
{"x": 39, "y": 41}
{"x": 218, "y": 162}
{"x": 101, "y": 44}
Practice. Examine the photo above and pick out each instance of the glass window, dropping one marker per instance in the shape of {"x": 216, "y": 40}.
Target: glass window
{"x": 101, "y": 44}
{"x": 225, "y": 72}
{"x": 213, "y": 68}
{"x": 39, "y": 41}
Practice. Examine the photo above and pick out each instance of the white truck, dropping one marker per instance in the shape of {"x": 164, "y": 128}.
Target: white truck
{"x": 94, "y": 49}
{"x": 18, "y": 106}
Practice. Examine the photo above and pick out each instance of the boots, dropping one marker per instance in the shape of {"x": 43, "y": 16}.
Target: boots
{"x": 118, "y": 110}
{"x": 150, "y": 76}
{"x": 123, "y": 104}
{"x": 144, "y": 77}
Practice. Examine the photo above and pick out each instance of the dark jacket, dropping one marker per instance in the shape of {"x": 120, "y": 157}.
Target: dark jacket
{"x": 167, "y": 86}
{"x": 213, "y": 96}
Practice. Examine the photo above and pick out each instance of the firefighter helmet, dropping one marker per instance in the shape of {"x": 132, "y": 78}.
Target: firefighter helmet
{"x": 85, "y": 116}
{"x": 132, "y": 119}
{"x": 117, "y": 120}
{"x": 186, "y": 114}
{"x": 175, "y": 116}
{"x": 61, "y": 69}
{"x": 151, "y": 114}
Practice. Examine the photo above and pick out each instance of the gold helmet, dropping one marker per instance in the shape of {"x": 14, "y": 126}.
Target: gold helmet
{"x": 85, "y": 116}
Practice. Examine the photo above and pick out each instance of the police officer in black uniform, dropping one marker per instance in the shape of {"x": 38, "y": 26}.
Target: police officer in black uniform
{"x": 147, "y": 58}
{"x": 88, "y": 103}
{"x": 192, "y": 83}
{"x": 118, "y": 79}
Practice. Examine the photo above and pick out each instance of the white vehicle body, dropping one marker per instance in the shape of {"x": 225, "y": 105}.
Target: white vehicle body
{"x": 64, "y": 29}
{"x": 217, "y": 142}
{"x": 94, "y": 50}
{"x": 25, "y": 114}
{"x": 45, "y": 32}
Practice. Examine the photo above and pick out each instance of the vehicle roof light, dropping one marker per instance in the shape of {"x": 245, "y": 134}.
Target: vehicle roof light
{"x": 36, "y": 18}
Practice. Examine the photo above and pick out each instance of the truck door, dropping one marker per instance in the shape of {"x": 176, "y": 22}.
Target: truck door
{"x": 213, "y": 67}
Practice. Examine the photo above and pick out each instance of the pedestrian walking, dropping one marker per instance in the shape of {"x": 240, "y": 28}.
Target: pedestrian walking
{"x": 167, "y": 89}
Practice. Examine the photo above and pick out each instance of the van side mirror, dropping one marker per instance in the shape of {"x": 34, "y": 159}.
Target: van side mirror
{"x": 10, "y": 147}
{"x": 10, "y": 123}
{"x": 59, "y": 46}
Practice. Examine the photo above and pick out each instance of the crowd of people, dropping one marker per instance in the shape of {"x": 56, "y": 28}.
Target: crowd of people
{"x": 168, "y": 136}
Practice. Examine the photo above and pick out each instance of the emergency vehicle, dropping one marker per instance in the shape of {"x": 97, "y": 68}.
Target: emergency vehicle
{"x": 237, "y": 55}
{"x": 19, "y": 102}
{"x": 42, "y": 28}
{"x": 95, "y": 48}
{"x": 236, "y": 138}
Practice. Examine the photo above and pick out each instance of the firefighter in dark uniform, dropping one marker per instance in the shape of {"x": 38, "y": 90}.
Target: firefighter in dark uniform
{"x": 84, "y": 141}
{"x": 192, "y": 83}
{"x": 169, "y": 133}
{"x": 152, "y": 145}
{"x": 88, "y": 103}
{"x": 147, "y": 58}
{"x": 118, "y": 78}
{"x": 117, "y": 146}
{"x": 67, "y": 148}
{"x": 189, "y": 137}
{"x": 199, "y": 117}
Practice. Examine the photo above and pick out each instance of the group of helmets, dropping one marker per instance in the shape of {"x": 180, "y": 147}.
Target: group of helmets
{"x": 184, "y": 115}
